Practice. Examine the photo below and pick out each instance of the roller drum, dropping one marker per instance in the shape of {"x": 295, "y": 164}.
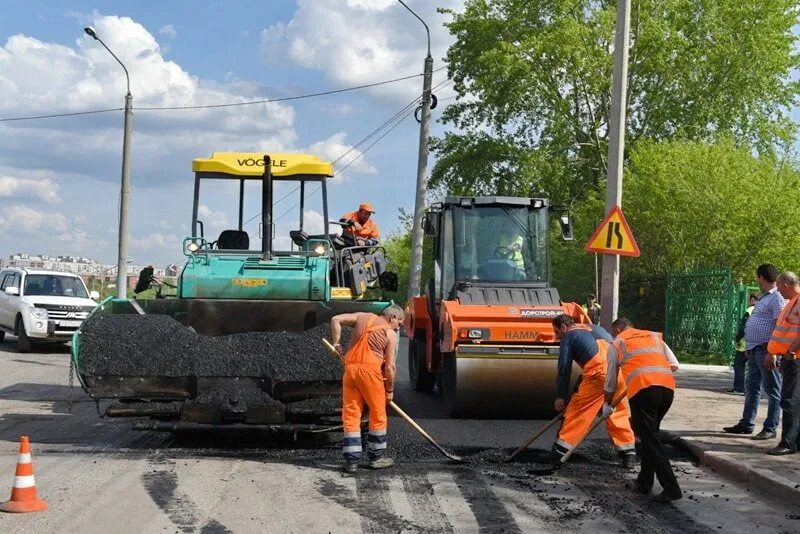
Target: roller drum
{"x": 501, "y": 382}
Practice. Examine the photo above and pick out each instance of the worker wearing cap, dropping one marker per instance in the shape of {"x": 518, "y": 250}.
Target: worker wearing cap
{"x": 361, "y": 229}
{"x": 587, "y": 346}
{"x": 647, "y": 365}
{"x": 369, "y": 374}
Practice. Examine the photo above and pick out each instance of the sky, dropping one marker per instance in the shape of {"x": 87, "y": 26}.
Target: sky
{"x": 60, "y": 177}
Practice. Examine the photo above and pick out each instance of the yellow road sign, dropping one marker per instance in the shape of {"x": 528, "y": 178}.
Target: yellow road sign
{"x": 613, "y": 236}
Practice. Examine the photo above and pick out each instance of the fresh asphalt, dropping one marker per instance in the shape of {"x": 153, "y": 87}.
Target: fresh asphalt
{"x": 99, "y": 475}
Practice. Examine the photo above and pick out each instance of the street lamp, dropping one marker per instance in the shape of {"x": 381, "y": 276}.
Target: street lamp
{"x": 417, "y": 233}
{"x": 125, "y": 189}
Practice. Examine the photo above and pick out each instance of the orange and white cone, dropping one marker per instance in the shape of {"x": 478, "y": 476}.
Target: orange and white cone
{"x": 23, "y": 494}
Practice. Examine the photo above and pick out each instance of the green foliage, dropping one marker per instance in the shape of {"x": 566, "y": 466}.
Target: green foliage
{"x": 694, "y": 204}
{"x": 398, "y": 248}
{"x": 534, "y": 81}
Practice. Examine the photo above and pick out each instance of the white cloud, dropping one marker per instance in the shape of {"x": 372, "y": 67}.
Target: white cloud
{"x": 313, "y": 222}
{"x": 24, "y": 220}
{"x": 168, "y": 31}
{"x": 332, "y": 148}
{"x": 361, "y": 41}
{"x": 30, "y": 189}
{"x": 154, "y": 241}
{"x": 38, "y": 77}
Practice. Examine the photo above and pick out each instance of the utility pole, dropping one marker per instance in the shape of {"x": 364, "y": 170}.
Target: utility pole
{"x": 609, "y": 299}
{"x": 125, "y": 188}
{"x": 417, "y": 232}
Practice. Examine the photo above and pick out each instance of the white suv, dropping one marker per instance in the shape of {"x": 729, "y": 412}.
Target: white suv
{"x": 42, "y": 305}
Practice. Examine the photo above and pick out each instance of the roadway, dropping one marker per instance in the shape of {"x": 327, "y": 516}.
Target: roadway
{"x": 98, "y": 475}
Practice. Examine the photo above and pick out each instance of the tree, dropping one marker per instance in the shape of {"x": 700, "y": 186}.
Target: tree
{"x": 398, "y": 248}
{"x": 701, "y": 204}
{"x": 533, "y": 79}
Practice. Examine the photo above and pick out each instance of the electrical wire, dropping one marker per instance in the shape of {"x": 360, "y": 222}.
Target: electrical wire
{"x": 396, "y": 124}
{"x": 56, "y": 115}
{"x": 362, "y": 141}
{"x": 212, "y": 106}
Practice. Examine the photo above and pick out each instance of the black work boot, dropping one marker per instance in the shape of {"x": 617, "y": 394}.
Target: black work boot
{"x": 350, "y": 468}
{"x": 629, "y": 461}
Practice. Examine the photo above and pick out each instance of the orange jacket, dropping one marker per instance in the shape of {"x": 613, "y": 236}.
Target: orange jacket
{"x": 368, "y": 230}
{"x": 787, "y": 329}
{"x": 642, "y": 360}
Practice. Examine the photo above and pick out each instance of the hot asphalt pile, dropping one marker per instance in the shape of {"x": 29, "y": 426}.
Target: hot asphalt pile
{"x": 157, "y": 345}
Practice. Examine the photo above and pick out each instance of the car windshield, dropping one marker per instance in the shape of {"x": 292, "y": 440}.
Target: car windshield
{"x": 54, "y": 285}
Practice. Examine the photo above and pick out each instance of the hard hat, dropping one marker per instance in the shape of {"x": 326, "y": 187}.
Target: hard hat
{"x": 366, "y": 206}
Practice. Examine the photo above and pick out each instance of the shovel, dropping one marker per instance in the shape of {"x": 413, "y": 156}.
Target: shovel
{"x": 564, "y": 458}
{"x": 527, "y": 444}
{"x": 405, "y": 416}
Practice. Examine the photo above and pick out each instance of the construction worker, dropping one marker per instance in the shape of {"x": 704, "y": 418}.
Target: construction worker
{"x": 360, "y": 229}
{"x": 369, "y": 374}
{"x": 587, "y": 345}
{"x": 509, "y": 246}
{"x": 785, "y": 344}
{"x": 647, "y": 365}
{"x": 592, "y": 308}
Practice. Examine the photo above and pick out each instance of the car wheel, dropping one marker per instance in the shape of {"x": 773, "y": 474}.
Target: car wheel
{"x": 2, "y": 336}
{"x": 23, "y": 341}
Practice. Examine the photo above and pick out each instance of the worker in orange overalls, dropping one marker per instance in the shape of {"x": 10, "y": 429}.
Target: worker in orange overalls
{"x": 360, "y": 229}
{"x": 369, "y": 374}
{"x": 647, "y": 365}
{"x": 587, "y": 345}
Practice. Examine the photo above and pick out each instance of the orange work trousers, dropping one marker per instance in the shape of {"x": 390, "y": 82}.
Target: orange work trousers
{"x": 363, "y": 384}
{"x": 585, "y": 404}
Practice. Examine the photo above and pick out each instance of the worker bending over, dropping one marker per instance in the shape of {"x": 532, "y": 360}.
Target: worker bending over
{"x": 369, "y": 374}
{"x": 360, "y": 229}
{"x": 587, "y": 346}
{"x": 647, "y": 365}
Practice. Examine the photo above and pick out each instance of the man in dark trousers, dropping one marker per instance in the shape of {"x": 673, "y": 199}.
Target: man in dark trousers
{"x": 782, "y": 351}
{"x": 647, "y": 366}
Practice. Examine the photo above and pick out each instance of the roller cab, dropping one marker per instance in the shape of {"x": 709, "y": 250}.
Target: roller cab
{"x": 483, "y": 329}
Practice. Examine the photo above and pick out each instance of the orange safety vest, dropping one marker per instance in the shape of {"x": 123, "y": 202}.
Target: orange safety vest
{"x": 787, "y": 329}
{"x": 642, "y": 360}
{"x": 368, "y": 229}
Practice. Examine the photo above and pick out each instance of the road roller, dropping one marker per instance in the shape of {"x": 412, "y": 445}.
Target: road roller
{"x": 482, "y": 331}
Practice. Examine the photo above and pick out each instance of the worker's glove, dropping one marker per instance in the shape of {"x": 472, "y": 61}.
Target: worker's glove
{"x": 607, "y": 410}
{"x": 389, "y": 396}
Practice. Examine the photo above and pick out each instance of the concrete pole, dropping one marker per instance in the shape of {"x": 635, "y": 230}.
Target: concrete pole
{"x": 125, "y": 188}
{"x": 124, "y": 194}
{"x": 417, "y": 232}
{"x": 609, "y": 299}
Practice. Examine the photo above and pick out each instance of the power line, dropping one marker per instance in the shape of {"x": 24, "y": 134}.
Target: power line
{"x": 396, "y": 124}
{"x": 362, "y": 141}
{"x": 212, "y": 106}
{"x": 56, "y": 115}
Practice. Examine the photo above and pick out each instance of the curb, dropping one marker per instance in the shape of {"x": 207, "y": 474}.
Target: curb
{"x": 728, "y": 466}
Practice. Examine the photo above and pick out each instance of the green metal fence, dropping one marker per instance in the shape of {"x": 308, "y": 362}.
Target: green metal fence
{"x": 702, "y": 311}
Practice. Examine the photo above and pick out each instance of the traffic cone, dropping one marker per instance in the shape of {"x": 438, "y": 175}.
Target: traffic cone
{"x": 23, "y": 493}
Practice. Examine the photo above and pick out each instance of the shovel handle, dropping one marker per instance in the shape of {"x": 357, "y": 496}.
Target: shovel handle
{"x": 595, "y": 424}
{"x": 533, "y": 438}
{"x": 404, "y": 415}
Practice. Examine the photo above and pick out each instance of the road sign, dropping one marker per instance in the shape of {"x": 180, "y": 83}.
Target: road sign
{"x": 613, "y": 236}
